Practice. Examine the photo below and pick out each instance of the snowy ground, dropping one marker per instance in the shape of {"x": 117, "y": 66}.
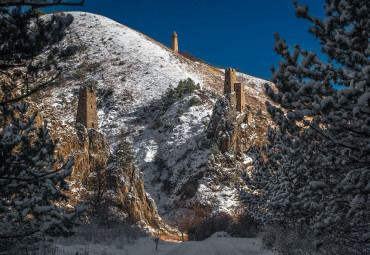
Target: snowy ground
{"x": 146, "y": 246}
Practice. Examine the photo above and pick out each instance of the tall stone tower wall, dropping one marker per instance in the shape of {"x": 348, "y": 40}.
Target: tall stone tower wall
{"x": 175, "y": 42}
{"x": 240, "y": 96}
{"x": 87, "y": 111}
{"x": 230, "y": 79}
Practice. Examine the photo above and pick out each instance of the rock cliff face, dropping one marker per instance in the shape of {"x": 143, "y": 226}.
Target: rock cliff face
{"x": 227, "y": 124}
{"x": 131, "y": 195}
{"x": 231, "y": 133}
{"x": 91, "y": 152}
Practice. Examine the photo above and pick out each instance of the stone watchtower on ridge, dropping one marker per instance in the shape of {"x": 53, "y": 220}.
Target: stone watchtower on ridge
{"x": 240, "y": 96}
{"x": 87, "y": 111}
{"x": 231, "y": 86}
{"x": 229, "y": 80}
{"x": 175, "y": 42}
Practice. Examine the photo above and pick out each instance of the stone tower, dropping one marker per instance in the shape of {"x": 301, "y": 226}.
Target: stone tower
{"x": 175, "y": 42}
{"x": 87, "y": 112}
{"x": 230, "y": 79}
{"x": 240, "y": 96}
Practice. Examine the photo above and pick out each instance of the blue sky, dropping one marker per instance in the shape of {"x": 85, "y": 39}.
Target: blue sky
{"x": 234, "y": 33}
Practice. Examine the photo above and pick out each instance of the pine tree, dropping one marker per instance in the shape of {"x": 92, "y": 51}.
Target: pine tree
{"x": 101, "y": 186}
{"x": 314, "y": 170}
{"x": 24, "y": 35}
{"x": 125, "y": 158}
{"x": 32, "y": 180}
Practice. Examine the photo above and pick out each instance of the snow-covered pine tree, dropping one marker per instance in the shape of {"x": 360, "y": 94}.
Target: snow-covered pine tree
{"x": 24, "y": 35}
{"x": 314, "y": 170}
{"x": 32, "y": 180}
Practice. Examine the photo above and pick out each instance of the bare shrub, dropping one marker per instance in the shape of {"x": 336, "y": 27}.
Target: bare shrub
{"x": 244, "y": 226}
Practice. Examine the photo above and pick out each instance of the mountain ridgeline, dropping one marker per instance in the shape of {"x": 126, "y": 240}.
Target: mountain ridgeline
{"x": 169, "y": 139}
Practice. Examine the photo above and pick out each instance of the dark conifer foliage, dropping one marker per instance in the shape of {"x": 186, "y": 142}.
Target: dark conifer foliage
{"x": 314, "y": 170}
{"x": 101, "y": 197}
{"x": 40, "y": 3}
{"x": 24, "y": 35}
{"x": 32, "y": 180}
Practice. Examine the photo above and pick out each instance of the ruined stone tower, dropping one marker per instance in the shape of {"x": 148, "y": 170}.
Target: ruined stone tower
{"x": 175, "y": 43}
{"x": 86, "y": 112}
{"x": 240, "y": 96}
{"x": 229, "y": 80}
{"x": 231, "y": 86}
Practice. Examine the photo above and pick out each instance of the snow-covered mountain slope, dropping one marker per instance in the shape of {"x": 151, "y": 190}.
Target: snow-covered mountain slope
{"x": 132, "y": 72}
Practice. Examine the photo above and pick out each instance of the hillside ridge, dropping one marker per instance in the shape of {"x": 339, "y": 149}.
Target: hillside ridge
{"x": 132, "y": 74}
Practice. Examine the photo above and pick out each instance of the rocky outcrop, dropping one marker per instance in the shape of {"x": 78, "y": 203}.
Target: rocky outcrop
{"x": 90, "y": 149}
{"x": 138, "y": 204}
{"x": 131, "y": 196}
{"x": 225, "y": 123}
{"x": 91, "y": 152}
{"x": 231, "y": 132}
